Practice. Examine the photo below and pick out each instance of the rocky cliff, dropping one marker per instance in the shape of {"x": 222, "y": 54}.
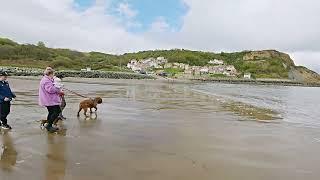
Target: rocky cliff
{"x": 268, "y": 54}
{"x": 296, "y": 73}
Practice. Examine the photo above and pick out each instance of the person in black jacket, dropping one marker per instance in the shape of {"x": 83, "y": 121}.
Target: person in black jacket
{"x": 6, "y": 96}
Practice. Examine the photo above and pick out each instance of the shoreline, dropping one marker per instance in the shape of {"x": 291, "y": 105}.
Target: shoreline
{"x": 181, "y": 81}
{"x": 260, "y": 82}
{"x": 33, "y": 73}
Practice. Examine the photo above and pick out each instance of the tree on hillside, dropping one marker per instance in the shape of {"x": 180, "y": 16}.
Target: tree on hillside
{"x": 5, "y": 41}
{"x": 41, "y": 44}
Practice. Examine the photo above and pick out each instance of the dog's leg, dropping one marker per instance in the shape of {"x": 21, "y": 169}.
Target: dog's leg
{"x": 79, "y": 111}
{"x": 96, "y": 109}
{"x": 42, "y": 125}
{"x": 91, "y": 110}
{"x": 85, "y": 111}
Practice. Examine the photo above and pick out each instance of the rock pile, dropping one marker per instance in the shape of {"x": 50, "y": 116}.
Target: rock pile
{"x": 15, "y": 71}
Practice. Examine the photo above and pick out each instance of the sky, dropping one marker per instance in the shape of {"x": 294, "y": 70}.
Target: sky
{"x": 119, "y": 26}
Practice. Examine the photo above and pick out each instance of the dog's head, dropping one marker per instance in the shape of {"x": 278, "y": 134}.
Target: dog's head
{"x": 98, "y": 100}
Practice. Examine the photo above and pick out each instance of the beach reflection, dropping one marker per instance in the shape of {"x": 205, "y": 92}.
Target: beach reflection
{"x": 8, "y": 152}
{"x": 56, "y": 160}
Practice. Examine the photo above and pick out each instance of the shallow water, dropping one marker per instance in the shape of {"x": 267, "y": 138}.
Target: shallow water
{"x": 149, "y": 130}
{"x": 299, "y": 105}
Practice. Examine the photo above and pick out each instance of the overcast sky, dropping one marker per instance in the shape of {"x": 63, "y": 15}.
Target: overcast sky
{"x": 116, "y": 26}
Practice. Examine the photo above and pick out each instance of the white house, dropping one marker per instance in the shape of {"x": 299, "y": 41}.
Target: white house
{"x": 216, "y": 62}
{"x": 168, "y": 65}
{"x": 247, "y": 76}
{"x": 204, "y": 70}
{"x": 88, "y": 69}
{"x": 162, "y": 60}
{"x": 131, "y": 64}
{"x": 231, "y": 70}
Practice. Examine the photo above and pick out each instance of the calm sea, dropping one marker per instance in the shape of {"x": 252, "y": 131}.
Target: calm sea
{"x": 299, "y": 105}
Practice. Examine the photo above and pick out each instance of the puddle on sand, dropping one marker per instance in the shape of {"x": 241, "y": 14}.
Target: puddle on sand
{"x": 254, "y": 113}
{"x": 8, "y": 152}
{"x": 246, "y": 112}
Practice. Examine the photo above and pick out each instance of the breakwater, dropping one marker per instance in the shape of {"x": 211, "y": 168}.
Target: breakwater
{"x": 15, "y": 71}
{"x": 258, "y": 82}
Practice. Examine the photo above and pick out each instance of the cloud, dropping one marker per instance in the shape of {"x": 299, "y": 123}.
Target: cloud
{"x": 125, "y": 10}
{"x": 59, "y": 24}
{"x": 126, "y": 16}
{"x": 215, "y": 25}
{"x": 312, "y": 59}
{"x": 160, "y": 25}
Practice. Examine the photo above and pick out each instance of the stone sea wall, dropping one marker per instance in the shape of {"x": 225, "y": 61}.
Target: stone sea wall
{"x": 15, "y": 71}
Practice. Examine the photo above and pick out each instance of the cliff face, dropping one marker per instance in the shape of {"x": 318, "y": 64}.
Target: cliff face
{"x": 296, "y": 73}
{"x": 303, "y": 74}
{"x": 268, "y": 54}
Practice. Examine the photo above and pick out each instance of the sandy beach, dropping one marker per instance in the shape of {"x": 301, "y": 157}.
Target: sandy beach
{"x": 151, "y": 130}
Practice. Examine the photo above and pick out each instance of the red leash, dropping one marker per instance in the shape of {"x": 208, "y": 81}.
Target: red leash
{"x": 75, "y": 93}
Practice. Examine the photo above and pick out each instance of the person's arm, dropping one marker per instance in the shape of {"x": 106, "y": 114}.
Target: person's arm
{"x": 2, "y": 97}
{"x": 12, "y": 93}
{"x": 49, "y": 87}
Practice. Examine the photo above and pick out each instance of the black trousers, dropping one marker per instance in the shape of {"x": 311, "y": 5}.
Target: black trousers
{"x": 63, "y": 105}
{"x": 54, "y": 112}
{"x": 4, "y": 111}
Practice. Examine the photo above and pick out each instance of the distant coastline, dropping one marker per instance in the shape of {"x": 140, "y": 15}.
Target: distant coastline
{"x": 260, "y": 82}
{"x": 32, "y": 73}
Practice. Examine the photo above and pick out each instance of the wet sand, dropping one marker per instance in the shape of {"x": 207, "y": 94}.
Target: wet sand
{"x": 154, "y": 131}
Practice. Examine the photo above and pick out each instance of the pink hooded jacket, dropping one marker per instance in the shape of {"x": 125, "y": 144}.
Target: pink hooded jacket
{"x": 48, "y": 94}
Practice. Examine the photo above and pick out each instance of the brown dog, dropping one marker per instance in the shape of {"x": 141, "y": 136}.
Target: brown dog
{"x": 89, "y": 104}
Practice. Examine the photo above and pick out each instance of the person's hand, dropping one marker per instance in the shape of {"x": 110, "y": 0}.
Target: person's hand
{"x": 61, "y": 93}
{"x": 7, "y": 99}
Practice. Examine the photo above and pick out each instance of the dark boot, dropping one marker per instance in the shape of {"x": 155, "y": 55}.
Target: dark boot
{"x": 6, "y": 126}
{"x": 51, "y": 129}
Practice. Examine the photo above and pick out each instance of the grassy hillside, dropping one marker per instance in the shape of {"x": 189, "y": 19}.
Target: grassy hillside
{"x": 262, "y": 64}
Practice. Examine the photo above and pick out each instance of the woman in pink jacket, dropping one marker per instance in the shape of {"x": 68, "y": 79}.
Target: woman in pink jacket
{"x": 49, "y": 97}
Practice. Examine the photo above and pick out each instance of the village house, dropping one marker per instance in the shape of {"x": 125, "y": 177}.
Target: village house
{"x": 132, "y": 63}
{"x": 216, "y": 69}
{"x": 247, "y": 76}
{"x": 204, "y": 70}
{"x": 162, "y": 60}
{"x": 188, "y": 71}
{"x": 231, "y": 70}
{"x": 216, "y": 62}
{"x": 88, "y": 69}
{"x": 146, "y": 64}
{"x": 220, "y": 69}
{"x": 176, "y": 66}
{"x": 168, "y": 65}
{"x": 151, "y": 64}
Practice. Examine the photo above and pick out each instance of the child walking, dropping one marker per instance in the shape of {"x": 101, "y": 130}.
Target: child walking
{"x": 57, "y": 82}
{"x": 6, "y": 96}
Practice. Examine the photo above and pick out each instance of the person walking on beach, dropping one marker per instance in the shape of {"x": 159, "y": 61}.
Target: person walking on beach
{"x": 58, "y": 84}
{"x": 6, "y": 96}
{"x": 50, "y": 97}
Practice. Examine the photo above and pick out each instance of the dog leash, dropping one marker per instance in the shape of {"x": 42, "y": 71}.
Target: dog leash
{"x": 75, "y": 93}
